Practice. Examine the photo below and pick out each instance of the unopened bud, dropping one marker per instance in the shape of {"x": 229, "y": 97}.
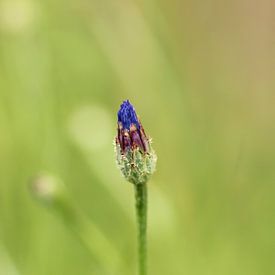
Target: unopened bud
{"x": 46, "y": 188}
{"x": 135, "y": 155}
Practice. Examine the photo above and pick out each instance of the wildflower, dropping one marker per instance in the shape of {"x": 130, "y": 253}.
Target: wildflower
{"x": 135, "y": 156}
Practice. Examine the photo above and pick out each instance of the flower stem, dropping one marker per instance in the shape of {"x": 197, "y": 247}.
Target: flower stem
{"x": 141, "y": 211}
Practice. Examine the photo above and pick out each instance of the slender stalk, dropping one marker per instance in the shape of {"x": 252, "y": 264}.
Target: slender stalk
{"x": 51, "y": 192}
{"x": 141, "y": 211}
{"x": 100, "y": 247}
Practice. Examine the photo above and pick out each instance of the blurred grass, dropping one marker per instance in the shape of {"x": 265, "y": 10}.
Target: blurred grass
{"x": 201, "y": 76}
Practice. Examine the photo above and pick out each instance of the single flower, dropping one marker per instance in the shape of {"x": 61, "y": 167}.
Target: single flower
{"x": 135, "y": 156}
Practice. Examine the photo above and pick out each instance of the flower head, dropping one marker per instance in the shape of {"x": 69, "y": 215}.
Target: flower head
{"x": 127, "y": 115}
{"x": 131, "y": 134}
{"x": 135, "y": 155}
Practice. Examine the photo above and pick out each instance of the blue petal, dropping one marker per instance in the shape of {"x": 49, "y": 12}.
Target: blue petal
{"x": 127, "y": 115}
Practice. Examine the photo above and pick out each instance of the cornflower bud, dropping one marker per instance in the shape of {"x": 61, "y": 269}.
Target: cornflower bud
{"x": 135, "y": 156}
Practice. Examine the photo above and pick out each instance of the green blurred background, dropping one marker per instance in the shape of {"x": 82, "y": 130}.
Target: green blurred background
{"x": 201, "y": 77}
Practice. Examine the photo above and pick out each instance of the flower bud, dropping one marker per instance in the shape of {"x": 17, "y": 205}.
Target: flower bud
{"x": 135, "y": 156}
{"x": 47, "y": 188}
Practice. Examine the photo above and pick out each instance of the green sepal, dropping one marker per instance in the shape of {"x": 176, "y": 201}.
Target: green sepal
{"x": 135, "y": 165}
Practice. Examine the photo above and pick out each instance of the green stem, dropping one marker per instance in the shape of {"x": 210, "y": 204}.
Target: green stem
{"x": 52, "y": 193}
{"x": 101, "y": 248}
{"x": 141, "y": 211}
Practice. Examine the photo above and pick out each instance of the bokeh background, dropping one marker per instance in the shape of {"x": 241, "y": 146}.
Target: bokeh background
{"x": 201, "y": 77}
